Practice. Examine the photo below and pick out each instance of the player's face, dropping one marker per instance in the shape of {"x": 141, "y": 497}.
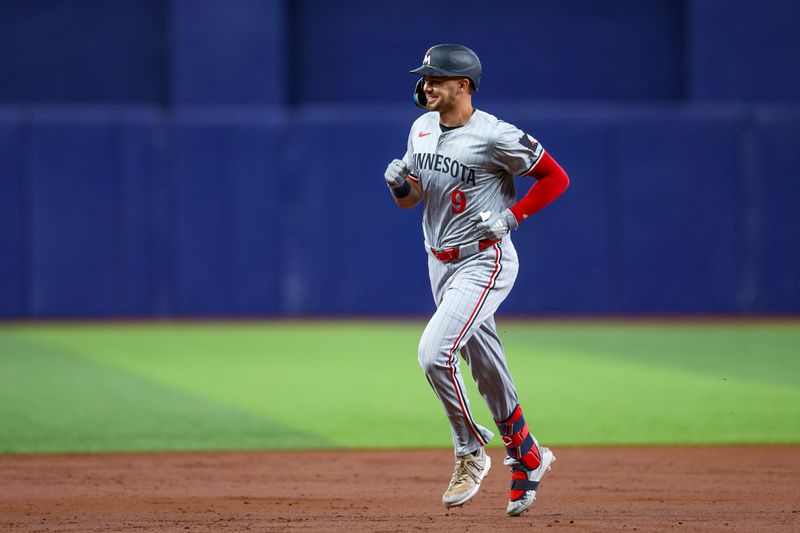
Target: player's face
{"x": 441, "y": 92}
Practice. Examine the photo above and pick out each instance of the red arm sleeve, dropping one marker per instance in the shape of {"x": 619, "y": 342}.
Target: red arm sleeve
{"x": 551, "y": 181}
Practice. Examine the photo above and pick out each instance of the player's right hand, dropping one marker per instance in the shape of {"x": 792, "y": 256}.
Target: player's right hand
{"x": 396, "y": 174}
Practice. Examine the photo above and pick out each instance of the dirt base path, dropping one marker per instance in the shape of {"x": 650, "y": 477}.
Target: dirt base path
{"x": 589, "y": 489}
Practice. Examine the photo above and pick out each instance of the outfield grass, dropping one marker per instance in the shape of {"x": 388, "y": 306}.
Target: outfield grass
{"x": 205, "y": 386}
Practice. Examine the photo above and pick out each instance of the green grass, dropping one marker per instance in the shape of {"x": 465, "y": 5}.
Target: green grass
{"x": 205, "y": 386}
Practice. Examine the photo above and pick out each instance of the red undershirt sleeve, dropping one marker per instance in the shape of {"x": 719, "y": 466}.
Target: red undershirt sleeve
{"x": 551, "y": 181}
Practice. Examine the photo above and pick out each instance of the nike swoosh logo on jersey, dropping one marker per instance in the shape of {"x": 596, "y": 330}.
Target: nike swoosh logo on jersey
{"x": 423, "y": 134}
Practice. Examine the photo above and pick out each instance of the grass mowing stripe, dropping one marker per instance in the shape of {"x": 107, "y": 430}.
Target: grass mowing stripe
{"x": 662, "y": 383}
{"x": 362, "y": 387}
{"x": 757, "y": 351}
{"x": 54, "y": 401}
{"x": 591, "y": 401}
{"x": 359, "y": 384}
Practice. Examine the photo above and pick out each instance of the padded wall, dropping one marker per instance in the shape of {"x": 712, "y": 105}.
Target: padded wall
{"x": 12, "y": 223}
{"x": 228, "y": 214}
{"x": 559, "y": 49}
{"x": 677, "y": 225}
{"x": 83, "y": 51}
{"x": 125, "y": 212}
{"x": 565, "y": 250}
{"x": 772, "y": 211}
{"x": 78, "y": 261}
{"x": 741, "y": 50}
{"x": 349, "y": 248}
{"x": 650, "y": 222}
{"x": 305, "y": 51}
{"x": 250, "y": 181}
{"x": 227, "y": 53}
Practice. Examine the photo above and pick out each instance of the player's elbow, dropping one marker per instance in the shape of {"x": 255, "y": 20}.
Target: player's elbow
{"x": 564, "y": 181}
{"x": 557, "y": 182}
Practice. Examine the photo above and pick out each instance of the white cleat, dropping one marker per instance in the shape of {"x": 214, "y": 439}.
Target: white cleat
{"x": 525, "y": 483}
{"x": 467, "y": 476}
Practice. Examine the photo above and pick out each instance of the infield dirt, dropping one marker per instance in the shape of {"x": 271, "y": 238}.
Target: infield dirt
{"x": 747, "y": 488}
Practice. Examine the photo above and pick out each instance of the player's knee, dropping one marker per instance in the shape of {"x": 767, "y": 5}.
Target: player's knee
{"x": 430, "y": 356}
{"x": 427, "y": 357}
{"x": 424, "y": 358}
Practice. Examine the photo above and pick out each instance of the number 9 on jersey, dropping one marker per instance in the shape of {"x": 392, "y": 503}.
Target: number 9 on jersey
{"x": 459, "y": 201}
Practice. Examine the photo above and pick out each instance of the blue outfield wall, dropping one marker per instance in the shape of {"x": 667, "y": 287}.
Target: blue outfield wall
{"x": 224, "y": 52}
{"x": 677, "y": 201}
{"x": 567, "y": 248}
{"x": 86, "y": 212}
{"x": 570, "y": 49}
{"x": 298, "y": 52}
{"x": 677, "y": 121}
{"x": 83, "y": 51}
{"x": 770, "y": 209}
{"x": 120, "y": 212}
{"x": 12, "y": 209}
{"x": 228, "y": 222}
{"x": 743, "y": 51}
{"x": 348, "y": 249}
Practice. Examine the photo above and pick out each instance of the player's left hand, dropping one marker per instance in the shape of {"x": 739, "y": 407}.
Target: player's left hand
{"x": 494, "y": 227}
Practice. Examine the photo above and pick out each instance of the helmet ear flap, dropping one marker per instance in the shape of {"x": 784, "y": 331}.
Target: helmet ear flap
{"x": 419, "y": 94}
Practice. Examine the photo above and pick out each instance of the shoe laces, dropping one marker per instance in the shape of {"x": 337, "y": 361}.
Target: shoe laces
{"x": 466, "y": 467}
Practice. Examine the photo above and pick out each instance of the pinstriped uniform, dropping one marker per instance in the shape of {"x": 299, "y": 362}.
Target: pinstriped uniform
{"x": 462, "y": 172}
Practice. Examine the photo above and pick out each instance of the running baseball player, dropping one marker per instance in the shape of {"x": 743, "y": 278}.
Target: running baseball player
{"x": 460, "y": 162}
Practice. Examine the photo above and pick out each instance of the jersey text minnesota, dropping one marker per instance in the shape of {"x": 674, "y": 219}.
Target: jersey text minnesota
{"x": 445, "y": 165}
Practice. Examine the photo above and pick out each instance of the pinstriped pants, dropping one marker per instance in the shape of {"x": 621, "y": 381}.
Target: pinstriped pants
{"x": 467, "y": 293}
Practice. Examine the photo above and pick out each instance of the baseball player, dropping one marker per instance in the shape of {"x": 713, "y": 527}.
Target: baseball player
{"x": 460, "y": 163}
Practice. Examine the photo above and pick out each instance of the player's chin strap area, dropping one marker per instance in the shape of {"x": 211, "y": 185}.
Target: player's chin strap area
{"x": 420, "y": 100}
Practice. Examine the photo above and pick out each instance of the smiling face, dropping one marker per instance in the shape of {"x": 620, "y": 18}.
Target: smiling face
{"x": 442, "y": 93}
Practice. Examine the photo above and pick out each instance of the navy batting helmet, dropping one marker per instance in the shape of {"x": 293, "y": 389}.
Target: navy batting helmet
{"x": 447, "y": 61}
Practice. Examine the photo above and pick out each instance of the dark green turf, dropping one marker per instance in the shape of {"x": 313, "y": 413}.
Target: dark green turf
{"x": 358, "y": 384}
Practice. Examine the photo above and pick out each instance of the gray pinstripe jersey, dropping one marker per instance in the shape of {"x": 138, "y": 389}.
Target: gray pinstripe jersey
{"x": 465, "y": 171}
